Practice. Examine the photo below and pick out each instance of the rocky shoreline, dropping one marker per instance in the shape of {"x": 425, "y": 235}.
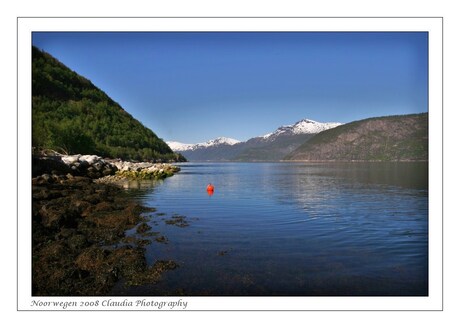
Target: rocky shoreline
{"x": 79, "y": 219}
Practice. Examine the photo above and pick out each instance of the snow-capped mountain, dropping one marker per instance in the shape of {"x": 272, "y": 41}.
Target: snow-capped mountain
{"x": 218, "y": 141}
{"x": 178, "y": 146}
{"x": 304, "y": 126}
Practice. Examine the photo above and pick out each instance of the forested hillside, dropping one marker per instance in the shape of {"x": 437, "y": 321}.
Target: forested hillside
{"x": 71, "y": 115}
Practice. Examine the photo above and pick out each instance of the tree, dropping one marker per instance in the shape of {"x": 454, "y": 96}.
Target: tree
{"x": 72, "y": 139}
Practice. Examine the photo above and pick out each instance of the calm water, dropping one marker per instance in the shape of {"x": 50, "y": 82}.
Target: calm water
{"x": 291, "y": 229}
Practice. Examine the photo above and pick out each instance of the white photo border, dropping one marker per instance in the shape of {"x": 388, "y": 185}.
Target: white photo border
{"x": 433, "y": 25}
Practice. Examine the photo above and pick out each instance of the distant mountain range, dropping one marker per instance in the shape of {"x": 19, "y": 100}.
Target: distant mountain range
{"x": 273, "y": 146}
{"x": 391, "y": 138}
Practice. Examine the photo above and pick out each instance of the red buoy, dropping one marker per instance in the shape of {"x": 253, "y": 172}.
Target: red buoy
{"x": 210, "y": 189}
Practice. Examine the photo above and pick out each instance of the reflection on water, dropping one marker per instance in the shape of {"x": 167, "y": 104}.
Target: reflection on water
{"x": 139, "y": 184}
{"x": 292, "y": 229}
{"x": 405, "y": 174}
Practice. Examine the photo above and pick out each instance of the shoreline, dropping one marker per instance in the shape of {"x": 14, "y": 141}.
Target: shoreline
{"x": 79, "y": 224}
{"x": 310, "y": 161}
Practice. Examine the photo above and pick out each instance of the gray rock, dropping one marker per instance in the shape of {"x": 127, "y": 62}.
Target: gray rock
{"x": 91, "y": 159}
{"x": 70, "y": 159}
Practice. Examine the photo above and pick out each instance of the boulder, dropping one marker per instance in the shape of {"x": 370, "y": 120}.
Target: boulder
{"x": 41, "y": 165}
{"x": 91, "y": 159}
{"x": 70, "y": 159}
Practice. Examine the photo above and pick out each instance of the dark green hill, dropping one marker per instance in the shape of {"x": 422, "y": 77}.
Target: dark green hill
{"x": 70, "y": 114}
{"x": 392, "y": 138}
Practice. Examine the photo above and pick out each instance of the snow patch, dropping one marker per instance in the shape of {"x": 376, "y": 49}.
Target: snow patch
{"x": 178, "y": 146}
{"x": 304, "y": 126}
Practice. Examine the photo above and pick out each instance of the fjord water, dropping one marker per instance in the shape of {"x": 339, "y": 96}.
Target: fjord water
{"x": 292, "y": 229}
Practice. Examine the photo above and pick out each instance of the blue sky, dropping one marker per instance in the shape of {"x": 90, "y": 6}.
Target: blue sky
{"x": 192, "y": 87}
